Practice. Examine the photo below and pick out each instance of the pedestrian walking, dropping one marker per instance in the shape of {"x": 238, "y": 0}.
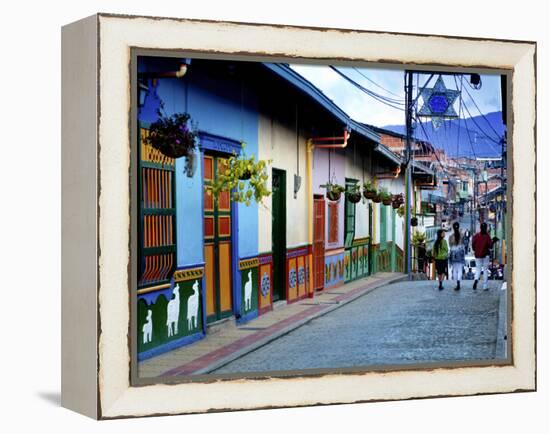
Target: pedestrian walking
{"x": 456, "y": 255}
{"x": 421, "y": 257}
{"x": 482, "y": 243}
{"x": 441, "y": 256}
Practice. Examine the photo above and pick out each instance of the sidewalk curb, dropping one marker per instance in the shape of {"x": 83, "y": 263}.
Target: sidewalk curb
{"x": 260, "y": 343}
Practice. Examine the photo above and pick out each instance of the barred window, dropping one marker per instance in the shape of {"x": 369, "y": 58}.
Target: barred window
{"x": 157, "y": 239}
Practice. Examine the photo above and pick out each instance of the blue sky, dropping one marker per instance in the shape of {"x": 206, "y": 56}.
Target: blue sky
{"x": 364, "y": 108}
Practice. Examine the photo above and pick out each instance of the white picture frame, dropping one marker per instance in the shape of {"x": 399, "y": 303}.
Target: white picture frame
{"x": 96, "y": 247}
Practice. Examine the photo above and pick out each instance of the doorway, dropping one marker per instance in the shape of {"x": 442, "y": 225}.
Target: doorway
{"x": 318, "y": 243}
{"x": 217, "y": 243}
{"x": 278, "y": 233}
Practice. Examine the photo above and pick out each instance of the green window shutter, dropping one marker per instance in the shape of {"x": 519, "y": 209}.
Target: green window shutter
{"x": 383, "y": 226}
{"x": 350, "y": 219}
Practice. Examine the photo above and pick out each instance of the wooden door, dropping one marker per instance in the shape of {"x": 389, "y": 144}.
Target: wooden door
{"x": 278, "y": 233}
{"x": 217, "y": 244}
{"x": 318, "y": 243}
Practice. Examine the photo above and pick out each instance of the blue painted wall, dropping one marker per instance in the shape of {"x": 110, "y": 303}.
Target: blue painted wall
{"x": 220, "y": 106}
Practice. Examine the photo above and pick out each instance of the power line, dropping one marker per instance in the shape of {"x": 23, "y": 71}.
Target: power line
{"x": 372, "y": 94}
{"x": 481, "y": 130}
{"x": 377, "y": 85}
{"x": 482, "y": 115}
{"x": 459, "y": 113}
{"x": 430, "y": 141}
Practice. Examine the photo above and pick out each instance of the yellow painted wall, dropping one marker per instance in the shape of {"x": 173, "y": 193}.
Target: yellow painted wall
{"x": 277, "y": 141}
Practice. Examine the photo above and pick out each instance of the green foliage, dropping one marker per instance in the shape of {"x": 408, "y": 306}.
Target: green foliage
{"x": 353, "y": 189}
{"x": 244, "y": 177}
{"x": 174, "y": 135}
{"x": 401, "y": 211}
{"x": 418, "y": 238}
{"x": 333, "y": 188}
{"x": 369, "y": 186}
{"x": 384, "y": 194}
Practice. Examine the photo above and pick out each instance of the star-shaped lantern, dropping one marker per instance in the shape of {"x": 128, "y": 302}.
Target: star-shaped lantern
{"x": 438, "y": 103}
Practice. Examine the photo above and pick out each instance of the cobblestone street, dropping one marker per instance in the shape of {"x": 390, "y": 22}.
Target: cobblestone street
{"x": 405, "y": 322}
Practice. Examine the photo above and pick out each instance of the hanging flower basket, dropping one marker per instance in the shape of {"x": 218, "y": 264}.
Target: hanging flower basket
{"x": 173, "y": 135}
{"x": 369, "y": 190}
{"x": 232, "y": 178}
{"x": 246, "y": 175}
{"x": 377, "y": 198}
{"x": 385, "y": 197}
{"x": 353, "y": 193}
{"x": 354, "y": 197}
{"x": 401, "y": 211}
{"x": 334, "y": 191}
{"x": 397, "y": 200}
{"x": 333, "y": 196}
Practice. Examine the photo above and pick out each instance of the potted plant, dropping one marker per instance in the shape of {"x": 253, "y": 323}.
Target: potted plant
{"x": 397, "y": 200}
{"x": 401, "y": 211}
{"x": 244, "y": 177}
{"x": 369, "y": 190}
{"x": 385, "y": 197}
{"x": 377, "y": 198}
{"x": 173, "y": 135}
{"x": 334, "y": 191}
{"x": 418, "y": 238}
{"x": 353, "y": 193}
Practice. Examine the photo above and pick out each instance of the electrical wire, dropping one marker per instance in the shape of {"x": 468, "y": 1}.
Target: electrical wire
{"x": 372, "y": 94}
{"x": 483, "y": 133}
{"x": 377, "y": 85}
{"x": 459, "y": 113}
{"x": 428, "y": 138}
{"x": 482, "y": 115}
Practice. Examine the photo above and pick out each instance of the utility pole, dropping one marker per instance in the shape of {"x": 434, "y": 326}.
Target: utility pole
{"x": 408, "y": 122}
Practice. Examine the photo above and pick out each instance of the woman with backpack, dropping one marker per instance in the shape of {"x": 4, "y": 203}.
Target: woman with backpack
{"x": 441, "y": 256}
{"x": 456, "y": 255}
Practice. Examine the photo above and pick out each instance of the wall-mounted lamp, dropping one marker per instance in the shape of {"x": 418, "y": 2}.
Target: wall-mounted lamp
{"x": 297, "y": 185}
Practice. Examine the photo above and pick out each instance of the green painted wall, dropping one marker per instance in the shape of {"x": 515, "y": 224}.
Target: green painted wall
{"x": 159, "y": 316}
{"x": 253, "y": 302}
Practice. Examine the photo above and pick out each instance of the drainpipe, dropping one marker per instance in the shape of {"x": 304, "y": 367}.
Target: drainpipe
{"x": 309, "y": 172}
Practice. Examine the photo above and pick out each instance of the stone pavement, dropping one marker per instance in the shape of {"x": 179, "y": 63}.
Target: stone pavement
{"x": 229, "y": 341}
{"x": 398, "y": 324}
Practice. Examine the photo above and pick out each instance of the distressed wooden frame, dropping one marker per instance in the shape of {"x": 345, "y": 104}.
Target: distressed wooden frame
{"x": 96, "y": 211}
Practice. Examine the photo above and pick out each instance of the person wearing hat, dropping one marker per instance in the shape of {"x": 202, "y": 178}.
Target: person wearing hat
{"x": 457, "y": 254}
{"x": 481, "y": 244}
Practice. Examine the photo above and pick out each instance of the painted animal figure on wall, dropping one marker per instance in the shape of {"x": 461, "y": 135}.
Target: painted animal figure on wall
{"x": 248, "y": 292}
{"x": 173, "y": 312}
{"x": 148, "y": 328}
{"x": 193, "y": 307}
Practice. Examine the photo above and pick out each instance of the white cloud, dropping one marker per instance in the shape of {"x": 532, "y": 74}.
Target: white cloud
{"x": 364, "y": 108}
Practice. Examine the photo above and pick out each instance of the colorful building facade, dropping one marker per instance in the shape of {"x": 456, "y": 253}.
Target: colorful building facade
{"x": 201, "y": 260}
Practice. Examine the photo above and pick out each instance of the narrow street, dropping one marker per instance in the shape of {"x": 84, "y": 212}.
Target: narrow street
{"x": 405, "y": 322}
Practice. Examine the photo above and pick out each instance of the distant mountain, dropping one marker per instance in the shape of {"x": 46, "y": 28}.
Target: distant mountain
{"x": 472, "y": 137}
